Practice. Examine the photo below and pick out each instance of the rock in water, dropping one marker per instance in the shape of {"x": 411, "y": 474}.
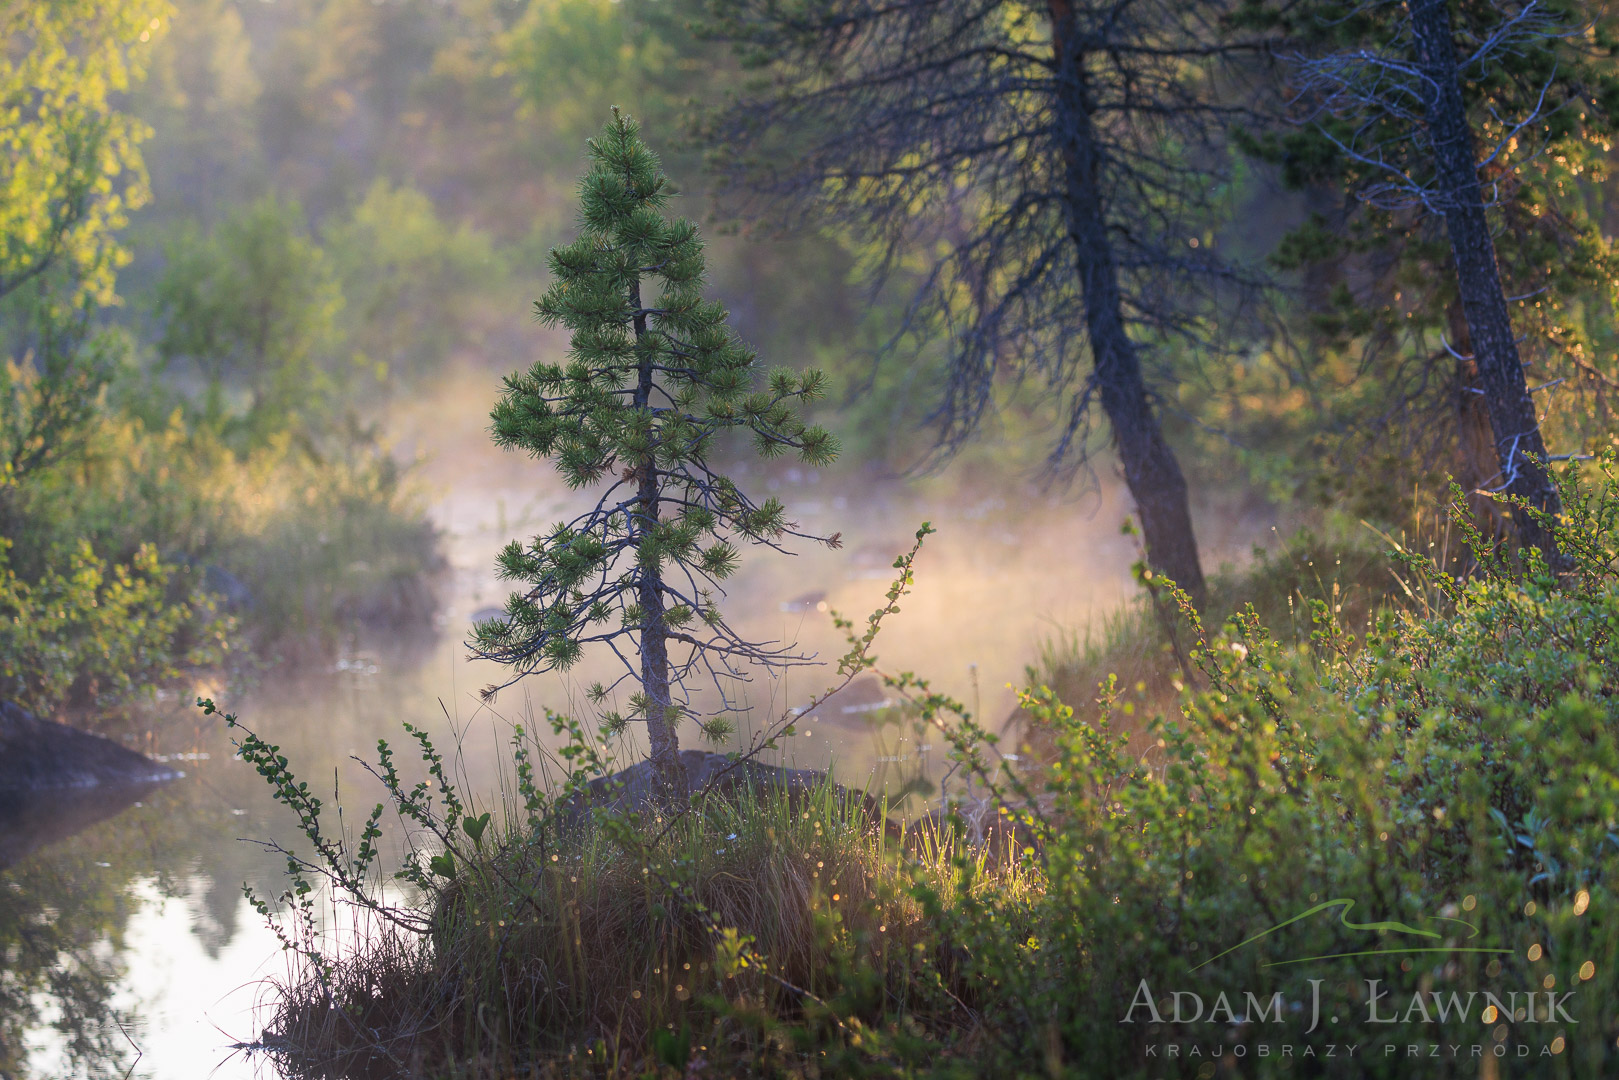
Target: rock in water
{"x": 41, "y": 755}
{"x": 233, "y": 593}
{"x": 637, "y": 787}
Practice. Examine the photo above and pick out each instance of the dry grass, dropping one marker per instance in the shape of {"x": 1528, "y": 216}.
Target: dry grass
{"x": 569, "y": 955}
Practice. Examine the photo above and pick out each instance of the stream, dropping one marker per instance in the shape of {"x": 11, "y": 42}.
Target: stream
{"x": 128, "y": 946}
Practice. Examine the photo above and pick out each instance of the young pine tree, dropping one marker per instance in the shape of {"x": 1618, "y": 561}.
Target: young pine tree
{"x": 653, "y": 380}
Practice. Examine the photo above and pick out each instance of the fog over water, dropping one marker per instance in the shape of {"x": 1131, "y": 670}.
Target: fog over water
{"x": 1008, "y": 567}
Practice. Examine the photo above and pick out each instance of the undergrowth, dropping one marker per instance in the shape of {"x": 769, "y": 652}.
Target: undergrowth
{"x": 1397, "y": 834}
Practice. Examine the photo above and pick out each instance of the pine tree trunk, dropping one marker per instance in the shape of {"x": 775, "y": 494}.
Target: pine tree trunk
{"x": 1516, "y": 428}
{"x": 1150, "y": 468}
{"x": 1477, "y": 467}
{"x": 661, "y": 717}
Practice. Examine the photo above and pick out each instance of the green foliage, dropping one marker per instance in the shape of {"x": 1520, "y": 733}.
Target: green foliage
{"x": 1346, "y": 569}
{"x": 70, "y": 170}
{"x": 1431, "y": 806}
{"x": 1373, "y": 366}
{"x": 574, "y": 59}
{"x": 254, "y": 306}
{"x": 1456, "y": 764}
{"x": 89, "y": 626}
{"x": 320, "y": 541}
{"x": 328, "y": 543}
{"x": 408, "y": 277}
{"x": 119, "y": 501}
{"x": 94, "y": 636}
{"x": 49, "y": 401}
{"x": 651, "y": 386}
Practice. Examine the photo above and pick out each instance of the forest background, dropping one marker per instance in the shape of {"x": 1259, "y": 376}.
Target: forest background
{"x": 301, "y": 212}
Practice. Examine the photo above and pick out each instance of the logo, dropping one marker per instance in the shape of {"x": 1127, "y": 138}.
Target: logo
{"x": 1346, "y": 906}
{"x": 1366, "y": 1000}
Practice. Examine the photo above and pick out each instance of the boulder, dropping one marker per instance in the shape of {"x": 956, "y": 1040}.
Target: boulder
{"x": 637, "y": 787}
{"x": 233, "y": 592}
{"x": 41, "y": 755}
{"x": 857, "y": 702}
{"x": 1000, "y": 835}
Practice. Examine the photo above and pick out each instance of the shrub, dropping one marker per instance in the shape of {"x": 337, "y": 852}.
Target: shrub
{"x": 1452, "y": 775}
{"x": 1416, "y": 829}
{"x": 121, "y": 506}
{"x": 101, "y": 636}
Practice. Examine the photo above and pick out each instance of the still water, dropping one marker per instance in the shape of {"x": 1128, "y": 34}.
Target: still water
{"x": 128, "y": 948}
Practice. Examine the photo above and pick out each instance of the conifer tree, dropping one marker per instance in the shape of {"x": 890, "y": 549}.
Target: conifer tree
{"x": 640, "y": 404}
{"x": 1471, "y": 135}
{"x": 1048, "y": 162}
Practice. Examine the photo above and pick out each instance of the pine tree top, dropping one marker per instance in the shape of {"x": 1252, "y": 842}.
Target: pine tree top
{"x": 585, "y": 414}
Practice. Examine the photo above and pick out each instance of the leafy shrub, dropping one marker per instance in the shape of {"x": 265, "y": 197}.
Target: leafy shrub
{"x": 1417, "y": 828}
{"x": 121, "y": 504}
{"x": 409, "y": 279}
{"x": 101, "y": 635}
{"x": 1453, "y": 773}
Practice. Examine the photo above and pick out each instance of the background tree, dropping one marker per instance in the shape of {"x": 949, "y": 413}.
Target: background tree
{"x": 70, "y": 171}
{"x": 253, "y": 305}
{"x": 649, "y": 388}
{"x": 50, "y": 400}
{"x": 69, "y": 166}
{"x": 1065, "y": 160}
{"x": 411, "y": 281}
{"x": 1464, "y": 133}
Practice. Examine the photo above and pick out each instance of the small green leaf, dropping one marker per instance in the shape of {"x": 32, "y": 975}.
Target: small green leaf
{"x": 474, "y": 827}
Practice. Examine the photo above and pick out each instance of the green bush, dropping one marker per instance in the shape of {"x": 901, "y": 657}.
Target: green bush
{"x": 1415, "y": 829}
{"x": 1455, "y": 772}
{"x": 95, "y": 636}
{"x": 121, "y": 502}
{"x": 413, "y": 283}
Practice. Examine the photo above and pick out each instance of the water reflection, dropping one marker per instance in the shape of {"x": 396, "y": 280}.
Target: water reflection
{"x": 57, "y": 921}
{"x": 82, "y": 869}
{"x": 31, "y": 821}
{"x": 126, "y": 943}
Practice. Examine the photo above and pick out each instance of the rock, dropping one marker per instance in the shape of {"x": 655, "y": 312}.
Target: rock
{"x": 41, "y": 755}
{"x": 864, "y": 695}
{"x": 637, "y": 787}
{"x": 231, "y": 592}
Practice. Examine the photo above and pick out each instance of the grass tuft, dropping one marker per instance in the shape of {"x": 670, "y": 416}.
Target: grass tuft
{"x": 570, "y": 948}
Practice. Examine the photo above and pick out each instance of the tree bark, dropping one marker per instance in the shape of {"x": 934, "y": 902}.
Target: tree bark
{"x": 1477, "y": 466}
{"x": 1150, "y": 468}
{"x": 661, "y": 716}
{"x": 1519, "y": 447}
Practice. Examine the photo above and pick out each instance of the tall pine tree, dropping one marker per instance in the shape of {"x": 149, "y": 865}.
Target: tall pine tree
{"x": 1471, "y": 134}
{"x": 1053, "y": 166}
{"x": 640, "y": 404}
